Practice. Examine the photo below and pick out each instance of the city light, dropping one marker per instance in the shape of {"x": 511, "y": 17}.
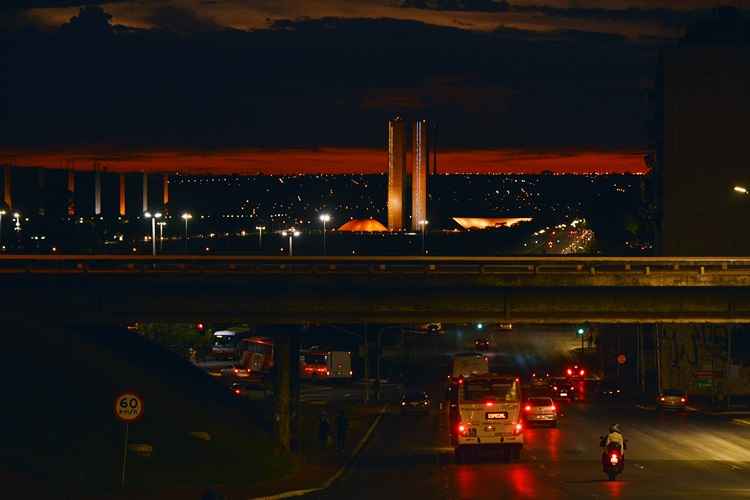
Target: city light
{"x": 741, "y": 189}
{"x": 2, "y": 212}
{"x": 186, "y": 216}
{"x": 423, "y": 224}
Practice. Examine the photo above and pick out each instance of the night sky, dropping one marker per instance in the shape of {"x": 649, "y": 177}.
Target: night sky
{"x": 308, "y": 85}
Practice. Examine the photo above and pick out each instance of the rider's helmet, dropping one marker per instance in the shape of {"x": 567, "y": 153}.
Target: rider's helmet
{"x": 614, "y": 428}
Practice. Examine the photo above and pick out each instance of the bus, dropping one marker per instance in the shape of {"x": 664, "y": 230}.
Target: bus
{"x": 489, "y": 415}
{"x": 254, "y": 360}
{"x": 224, "y": 343}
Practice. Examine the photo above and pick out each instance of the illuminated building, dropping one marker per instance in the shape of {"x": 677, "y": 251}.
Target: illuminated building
{"x": 396, "y": 173}
{"x": 421, "y": 155}
{"x": 363, "y": 226}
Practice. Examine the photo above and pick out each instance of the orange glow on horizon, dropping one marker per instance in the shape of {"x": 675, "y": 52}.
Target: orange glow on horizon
{"x": 330, "y": 161}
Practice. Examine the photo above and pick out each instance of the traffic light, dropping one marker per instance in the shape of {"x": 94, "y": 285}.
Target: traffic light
{"x": 582, "y": 330}
{"x": 200, "y": 328}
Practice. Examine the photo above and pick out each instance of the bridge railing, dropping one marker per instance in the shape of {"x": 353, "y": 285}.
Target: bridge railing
{"x": 181, "y": 264}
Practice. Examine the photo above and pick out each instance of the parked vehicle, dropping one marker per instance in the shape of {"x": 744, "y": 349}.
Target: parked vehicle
{"x": 415, "y": 402}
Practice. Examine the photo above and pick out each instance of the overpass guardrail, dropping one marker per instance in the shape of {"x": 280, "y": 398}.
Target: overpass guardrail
{"x": 382, "y": 265}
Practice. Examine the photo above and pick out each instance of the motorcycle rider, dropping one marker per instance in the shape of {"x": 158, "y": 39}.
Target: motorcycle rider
{"x": 614, "y": 438}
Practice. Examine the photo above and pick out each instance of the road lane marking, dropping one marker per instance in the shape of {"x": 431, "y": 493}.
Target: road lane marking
{"x": 741, "y": 421}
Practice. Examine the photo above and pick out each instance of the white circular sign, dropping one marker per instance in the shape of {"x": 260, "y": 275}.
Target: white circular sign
{"x": 129, "y": 407}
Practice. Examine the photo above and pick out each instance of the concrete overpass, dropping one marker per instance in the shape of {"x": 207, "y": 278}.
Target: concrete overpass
{"x": 282, "y": 290}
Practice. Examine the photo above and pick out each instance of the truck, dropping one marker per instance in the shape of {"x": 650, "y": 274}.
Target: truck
{"x": 489, "y": 416}
{"x": 316, "y": 363}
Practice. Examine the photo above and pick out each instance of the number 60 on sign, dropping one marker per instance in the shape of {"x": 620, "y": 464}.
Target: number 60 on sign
{"x": 128, "y": 407}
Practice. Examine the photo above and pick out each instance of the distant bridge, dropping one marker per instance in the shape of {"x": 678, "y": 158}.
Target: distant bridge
{"x": 281, "y": 290}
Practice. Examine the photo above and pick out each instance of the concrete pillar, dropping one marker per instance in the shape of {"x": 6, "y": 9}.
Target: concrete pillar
{"x": 97, "y": 192}
{"x": 165, "y": 190}
{"x": 145, "y": 192}
{"x": 72, "y": 192}
{"x": 7, "y": 187}
{"x": 286, "y": 341}
{"x": 122, "y": 195}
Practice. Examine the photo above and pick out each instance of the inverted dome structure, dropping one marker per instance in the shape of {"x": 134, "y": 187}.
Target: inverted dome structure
{"x": 363, "y": 226}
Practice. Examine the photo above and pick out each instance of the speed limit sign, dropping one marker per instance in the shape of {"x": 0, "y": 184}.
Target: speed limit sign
{"x": 129, "y": 407}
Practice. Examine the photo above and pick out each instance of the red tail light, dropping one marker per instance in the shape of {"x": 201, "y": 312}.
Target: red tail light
{"x": 236, "y": 391}
{"x": 528, "y": 408}
{"x": 462, "y": 429}
{"x": 554, "y": 407}
{"x": 582, "y": 372}
{"x": 661, "y": 398}
{"x": 613, "y": 459}
{"x": 518, "y": 428}
{"x": 570, "y": 372}
{"x": 488, "y": 403}
{"x": 460, "y": 381}
{"x": 682, "y": 400}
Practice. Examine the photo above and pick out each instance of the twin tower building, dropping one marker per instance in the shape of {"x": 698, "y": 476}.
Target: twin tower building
{"x": 397, "y": 174}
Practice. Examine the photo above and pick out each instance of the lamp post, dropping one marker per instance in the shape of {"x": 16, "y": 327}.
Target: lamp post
{"x": 186, "y": 216}
{"x": 153, "y": 217}
{"x": 292, "y": 233}
{"x": 260, "y": 236}
{"x": 161, "y": 235}
{"x": 324, "y": 218}
{"x": 2, "y": 212}
{"x": 423, "y": 223}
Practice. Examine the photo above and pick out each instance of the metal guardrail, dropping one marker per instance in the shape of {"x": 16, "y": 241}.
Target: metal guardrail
{"x": 187, "y": 264}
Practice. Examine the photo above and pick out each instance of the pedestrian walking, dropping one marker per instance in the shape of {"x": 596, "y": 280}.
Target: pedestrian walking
{"x": 324, "y": 429}
{"x": 342, "y": 426}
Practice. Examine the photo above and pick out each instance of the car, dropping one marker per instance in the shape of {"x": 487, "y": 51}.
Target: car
{"x": 540, "y": 379}
{"x": 248, "y": 390}
{"x": 540, "y": 411}
{"x": 610, "y": 390}
{"x": 575, "y": 372}
{"x": 672, "y": 399}
{"x": 415, "y": 402}
{"x": 563, "y": 390}
{"x": 482, "y": 344}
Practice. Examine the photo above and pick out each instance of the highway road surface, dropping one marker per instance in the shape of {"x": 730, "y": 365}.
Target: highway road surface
{"x": 683, "y": 455}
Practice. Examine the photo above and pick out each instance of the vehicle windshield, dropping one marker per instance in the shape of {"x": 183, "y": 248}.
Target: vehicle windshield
{"x": 315, "y": 359}
{"x": 540, "y": 402}
{"x": 224, "y": 341}
{"x": 501, "y": 390}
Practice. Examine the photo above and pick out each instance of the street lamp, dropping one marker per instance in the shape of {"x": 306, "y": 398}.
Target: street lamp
{"x": 292, "y": 233}
{"x": 2, "y": 212}
{"x": 17, "y": 218}
{"x": 423, "y": 223}
{"x": 260, "y": 236}
{"x": 324, "y": 218}
{"x": 161, "y": 235}
{"x": 740, "y": 189}
{"x": 186, "y": 216}
{"x": 153, "y": 217}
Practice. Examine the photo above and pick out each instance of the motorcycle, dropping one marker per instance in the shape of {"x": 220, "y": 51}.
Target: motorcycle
{"x": 613, "y": 460}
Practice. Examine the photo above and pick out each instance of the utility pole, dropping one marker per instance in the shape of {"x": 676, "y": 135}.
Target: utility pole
{"x": 367, "y": 366}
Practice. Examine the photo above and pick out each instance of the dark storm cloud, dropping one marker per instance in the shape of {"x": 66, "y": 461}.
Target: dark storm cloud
{"x": 325, "y": 82}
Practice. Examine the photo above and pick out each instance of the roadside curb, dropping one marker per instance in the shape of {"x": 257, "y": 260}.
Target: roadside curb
{"x": 327, "y": 484}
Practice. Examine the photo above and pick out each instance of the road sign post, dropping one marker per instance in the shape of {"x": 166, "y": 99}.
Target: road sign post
{"x": 128, "y": 409}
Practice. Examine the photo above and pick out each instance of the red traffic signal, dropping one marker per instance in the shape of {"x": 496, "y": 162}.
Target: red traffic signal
{"x": 200, "y": 327}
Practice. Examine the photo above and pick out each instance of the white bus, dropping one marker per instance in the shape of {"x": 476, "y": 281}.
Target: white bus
{"x": 489, "y": 415}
